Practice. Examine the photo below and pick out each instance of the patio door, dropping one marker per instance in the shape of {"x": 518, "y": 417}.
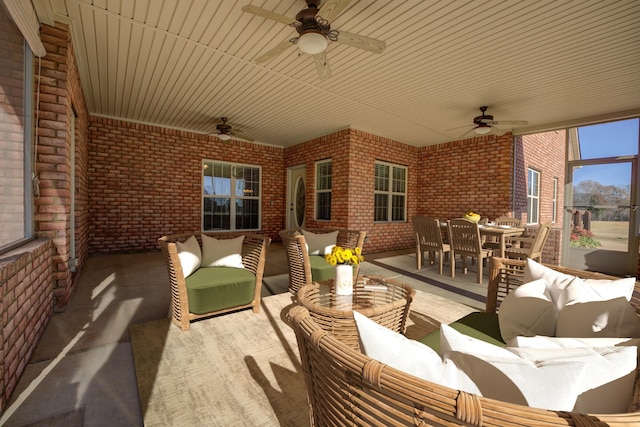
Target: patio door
{"x": 601, "y": 215}
{"x": 296, "y": 196}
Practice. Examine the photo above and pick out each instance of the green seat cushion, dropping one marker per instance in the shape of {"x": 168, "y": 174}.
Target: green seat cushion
{"x": 321, "y": 270}
{"x": 216, "y": 288}
{"x": 483, "y": 326}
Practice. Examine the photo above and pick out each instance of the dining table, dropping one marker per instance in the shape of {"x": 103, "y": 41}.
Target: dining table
{"x": 501, "y": 232}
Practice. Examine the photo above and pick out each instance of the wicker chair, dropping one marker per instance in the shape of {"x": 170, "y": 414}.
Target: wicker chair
{"x": 297, "y": 255}
{"x": 464, "y": 238}
{"x": 429, "y": 239}
{"x": 529, "y": 247}
{"x": 345, "y": 387}
{"x": 254, "y": 252}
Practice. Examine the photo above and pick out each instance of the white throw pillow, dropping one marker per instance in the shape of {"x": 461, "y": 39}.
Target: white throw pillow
{"x": 320, "y": 243}
{"x": 570, "y": 342}
{"x": 190, "y": 255}
{"x": 222, "y": 252}
{"x": 608, "y": 387}
{"x": 586, "y": 315}
{"x": 501, "y": 374}
{"x": 528, "y": 310}
{"x": 556, "y": 281}
{"x": 409, "y": 356}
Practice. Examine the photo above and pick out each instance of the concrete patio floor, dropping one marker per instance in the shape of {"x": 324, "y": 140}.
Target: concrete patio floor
{"x": 82, "y": 372}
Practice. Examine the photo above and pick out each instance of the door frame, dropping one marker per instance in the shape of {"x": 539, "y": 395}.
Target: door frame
{"x": 292, "y": 173}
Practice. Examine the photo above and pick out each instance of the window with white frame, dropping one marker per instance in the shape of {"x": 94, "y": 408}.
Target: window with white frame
{"x": 390, "y": 192}
{"x": 533, "y": 196}
{"x": 323, "y": 190}
{"x": 16, "y": 106}
{"x": 554, "y": 212}
{"x": 231, "y": 196}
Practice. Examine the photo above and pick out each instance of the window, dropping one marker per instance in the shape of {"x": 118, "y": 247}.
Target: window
{"x": 390, "y": 192}
{"x": 533, "y": 195}
{"x": 231, "y": 196}
{"x": 16, "y": 104}
{"x": 554, "y": 212}
{"x": 323, "y": 190}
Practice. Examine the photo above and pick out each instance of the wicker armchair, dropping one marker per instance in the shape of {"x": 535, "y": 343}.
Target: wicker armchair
{"x": 297, "y": 255}
{"x": 345, "y": 387}
{"x": 254, "y": 252}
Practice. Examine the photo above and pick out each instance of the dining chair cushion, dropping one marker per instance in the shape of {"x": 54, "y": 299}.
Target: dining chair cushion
{"x": 608, "y": 387}
{"x": 321, "y": 270}
{"x": 215, "y": 288}
{"x": 503, "y": 375}
{"x": 222, "y": 252}
{"x": 190, "y": 255}
{"x": 528, "y": 310}
{"x": 320, "y": 243}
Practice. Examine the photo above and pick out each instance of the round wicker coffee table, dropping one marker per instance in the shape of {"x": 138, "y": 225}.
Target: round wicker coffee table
{"x": 385, "y": 301}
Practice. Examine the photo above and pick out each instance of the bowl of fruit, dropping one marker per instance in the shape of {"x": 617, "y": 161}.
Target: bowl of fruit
{"x": 472, "y": 216}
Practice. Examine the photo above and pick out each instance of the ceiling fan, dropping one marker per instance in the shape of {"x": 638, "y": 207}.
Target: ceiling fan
{"x": 225, "y": 132}
{"x": 313, "y": 25}
{"x": 485, "y": 124}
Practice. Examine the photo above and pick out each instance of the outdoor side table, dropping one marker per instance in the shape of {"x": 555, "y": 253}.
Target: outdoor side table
{"x": 385, "y": 301}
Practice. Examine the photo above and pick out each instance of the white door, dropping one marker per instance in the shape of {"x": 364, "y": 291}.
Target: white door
{"x": 296, "y": 196}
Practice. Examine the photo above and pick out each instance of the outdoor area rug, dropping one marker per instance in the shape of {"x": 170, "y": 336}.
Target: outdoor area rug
{"x": 241, "y": 368}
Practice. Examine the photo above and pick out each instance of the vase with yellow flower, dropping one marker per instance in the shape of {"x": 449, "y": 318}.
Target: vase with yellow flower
{"x": 344, "y": 259}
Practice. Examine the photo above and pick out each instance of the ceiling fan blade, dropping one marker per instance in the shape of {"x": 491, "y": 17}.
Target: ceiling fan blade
{"x": 458, "y": 127}
{"x": 274, "y": 52}
{"x": 497, "y": 131}
{"x": 268, "y": 14}
{"x": 510, "y": 122}
{"x": 322, "y": 65}
{"x": 240, "y": 136}
{"x": 361, "y": 42}
{"x": 332, "y": 8}
{"x": 466, "y": 133}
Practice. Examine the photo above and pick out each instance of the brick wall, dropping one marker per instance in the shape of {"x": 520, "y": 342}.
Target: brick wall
{"x": 145, "y": 182}
{"x": 472, "y": 174}
{"x": 61, "y": 98}
{"x": 353, "y": 154}
{"x": 26, "y": 305}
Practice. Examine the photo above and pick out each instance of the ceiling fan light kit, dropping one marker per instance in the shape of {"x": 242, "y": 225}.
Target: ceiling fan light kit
{"x": 312, "y": 42}
{"x": 482, "y": 129}
{"x": 224, "y": 137}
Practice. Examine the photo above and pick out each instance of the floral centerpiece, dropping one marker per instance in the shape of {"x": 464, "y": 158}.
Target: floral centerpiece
{"x": 344, "y": 256}
{"x": 344, "y": 259}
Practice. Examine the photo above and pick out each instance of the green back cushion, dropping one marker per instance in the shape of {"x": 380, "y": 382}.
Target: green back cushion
{"x": 216, "y": 288}
{"x": 483, "y": 326}
{"x": 321, "y": 270}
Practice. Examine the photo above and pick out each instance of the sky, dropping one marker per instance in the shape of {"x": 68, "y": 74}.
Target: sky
{"x": 608, "y": 140}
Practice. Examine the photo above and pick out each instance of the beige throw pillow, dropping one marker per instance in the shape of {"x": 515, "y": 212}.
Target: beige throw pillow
{"x": 222, "y": 252}
{"x": 190, "y": 255}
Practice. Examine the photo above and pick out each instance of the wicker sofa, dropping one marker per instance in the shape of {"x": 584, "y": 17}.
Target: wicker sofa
{"x": 345, "y": 387}
{"x": 232, "y": 294}
{"x": 305, "y": 269}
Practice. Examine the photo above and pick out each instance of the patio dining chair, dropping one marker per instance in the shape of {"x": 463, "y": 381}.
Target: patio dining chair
{"x": 529, "y": 246}
{"x": 493, "y": 242}
{"x": 429, "y": 239}
{"x": 464, "y": 238}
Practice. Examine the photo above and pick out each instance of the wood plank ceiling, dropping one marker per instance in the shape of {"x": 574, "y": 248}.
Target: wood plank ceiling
{"x": 184, "y": 63}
